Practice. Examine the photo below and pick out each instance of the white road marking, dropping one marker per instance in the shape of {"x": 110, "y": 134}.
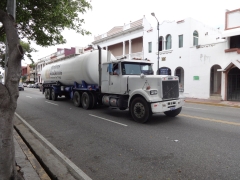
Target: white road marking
{"x": 51, "y": 103}
{"x": 108, "y": 120}
{"x": 195, "y": 108}
{"x": 64, "y": 158}
{"x": 29, "y": 96}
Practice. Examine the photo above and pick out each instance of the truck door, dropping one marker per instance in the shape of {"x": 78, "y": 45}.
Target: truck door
{"x": 115, "y": 79}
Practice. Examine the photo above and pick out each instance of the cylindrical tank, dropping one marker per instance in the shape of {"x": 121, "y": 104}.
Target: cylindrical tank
{"x": 75, "y": 69}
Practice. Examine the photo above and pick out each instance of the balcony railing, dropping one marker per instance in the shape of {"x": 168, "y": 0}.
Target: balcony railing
{"x": 120, "y": 29}
{"x": 138, "y": 55}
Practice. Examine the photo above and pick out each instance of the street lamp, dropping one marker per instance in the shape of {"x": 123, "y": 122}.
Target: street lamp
{"x": 153, "y": 14}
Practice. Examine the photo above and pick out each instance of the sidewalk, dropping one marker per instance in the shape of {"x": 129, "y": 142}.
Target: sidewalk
{"x": 27, "y": 164}
{"x": 213, "y": 102}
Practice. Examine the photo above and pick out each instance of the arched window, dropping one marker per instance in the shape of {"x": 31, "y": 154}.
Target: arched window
{"x": 195, "y": 38}
{"x": 161, "y": 44}
{"x": 168, "y": 42}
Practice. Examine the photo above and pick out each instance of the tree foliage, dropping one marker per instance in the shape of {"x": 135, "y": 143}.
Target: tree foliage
{"x": 43, "y": 21}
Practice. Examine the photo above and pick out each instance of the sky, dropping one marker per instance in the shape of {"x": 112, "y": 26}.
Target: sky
{"x": 106, "y": 14}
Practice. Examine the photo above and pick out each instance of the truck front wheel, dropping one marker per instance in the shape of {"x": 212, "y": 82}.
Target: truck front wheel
{"x": 77, "y": 99}
{"x": 87, "y": 100}
{"x": 140, "y": 110}
{"x": 173, "y": 113}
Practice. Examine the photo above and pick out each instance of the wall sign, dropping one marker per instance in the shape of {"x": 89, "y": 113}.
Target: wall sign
{"x": 165, "y": 71}
{"x": 196, "y": 78}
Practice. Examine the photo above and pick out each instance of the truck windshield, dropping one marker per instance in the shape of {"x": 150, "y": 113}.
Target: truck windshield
{"x": 136, "y": 69}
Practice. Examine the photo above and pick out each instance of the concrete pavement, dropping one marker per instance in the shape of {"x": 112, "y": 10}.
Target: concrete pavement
{"x": 31, "y": 169}
{"x": 213, "y": 102}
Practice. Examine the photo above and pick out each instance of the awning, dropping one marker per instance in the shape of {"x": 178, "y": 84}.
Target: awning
{"x": 233, "y": 62}
{"x": 231, "y": 32}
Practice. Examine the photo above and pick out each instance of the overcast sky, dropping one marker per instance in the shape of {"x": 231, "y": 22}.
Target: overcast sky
{"x": 106, "y": 14}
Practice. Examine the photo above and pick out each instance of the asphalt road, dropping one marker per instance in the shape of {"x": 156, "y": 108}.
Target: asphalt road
{"x": 201, "y": 143}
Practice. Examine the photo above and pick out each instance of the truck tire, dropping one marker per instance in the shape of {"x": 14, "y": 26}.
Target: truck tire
{"x": 94, "y": 99}
{"x": 77, "y": 99}
{"x": 50, "y": 94}
{"x": 173, "y": 113}
{"x": 140, "y": 110}
{"x": 46, "y": 94}
{"x": 54, "y": 95}
{"x": 87, "y": 100}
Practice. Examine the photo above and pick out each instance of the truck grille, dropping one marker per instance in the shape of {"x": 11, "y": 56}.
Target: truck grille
{"x": 170, "y": 89}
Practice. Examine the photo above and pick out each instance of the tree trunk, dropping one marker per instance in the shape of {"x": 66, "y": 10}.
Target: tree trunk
{"x": 8, "y": 99}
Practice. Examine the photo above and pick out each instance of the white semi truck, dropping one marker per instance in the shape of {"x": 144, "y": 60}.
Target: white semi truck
{"x": 89, "y": 79}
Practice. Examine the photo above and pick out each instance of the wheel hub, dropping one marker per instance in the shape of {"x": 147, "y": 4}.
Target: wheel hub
{"x": 139, "y": 110}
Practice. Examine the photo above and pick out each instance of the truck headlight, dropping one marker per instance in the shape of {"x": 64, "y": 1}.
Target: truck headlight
{"x": 153, "y": 92}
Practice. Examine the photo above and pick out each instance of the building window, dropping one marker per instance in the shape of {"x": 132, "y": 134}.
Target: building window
{"x": 160, "y": 47}
{"x": 180, "y": 41}
{"x": 235, "y": 42}
{"x": 168, "y": 42}
{"x": 195, "y": 38}
{"x": 149, "y": 47}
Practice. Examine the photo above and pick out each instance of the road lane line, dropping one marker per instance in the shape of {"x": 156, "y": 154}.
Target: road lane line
{"x": 209, "y": 119}
{"x": 61, "y": 155}
{"x": 51, "y": 103}
{"x": 195, "y": 108}
{"x": 108, "y": 120}
{"x": 29, "y": 96}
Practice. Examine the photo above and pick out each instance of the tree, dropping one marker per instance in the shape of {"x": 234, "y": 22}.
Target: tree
{"x": 39, "y": 21}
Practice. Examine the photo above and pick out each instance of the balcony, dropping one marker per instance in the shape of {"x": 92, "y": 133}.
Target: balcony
{"x": 137, "y": 55}
{"x": 119, "y": 30}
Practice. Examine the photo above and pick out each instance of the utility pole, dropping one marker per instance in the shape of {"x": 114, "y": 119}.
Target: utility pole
{"x": 153, "y": 14}
{"x": 11, "y": 9}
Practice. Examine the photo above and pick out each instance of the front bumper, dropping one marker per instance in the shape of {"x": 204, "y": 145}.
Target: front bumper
{"x": 158, "y": 107}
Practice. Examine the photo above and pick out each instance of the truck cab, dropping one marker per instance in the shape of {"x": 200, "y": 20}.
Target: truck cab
{"x": 137, "y": 88}
{"x": 115, "y": 74}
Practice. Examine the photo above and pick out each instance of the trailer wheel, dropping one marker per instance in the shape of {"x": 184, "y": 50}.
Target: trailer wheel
{"x": 46, "y": 93}
{"x": 50, "y": 94}
{"x": 77, "y": 99}
{"x": 140, "y": 110}
{"x": 54, "y": 95}
{"x": 87, "y": 100}
{"x": 173, "y": 113}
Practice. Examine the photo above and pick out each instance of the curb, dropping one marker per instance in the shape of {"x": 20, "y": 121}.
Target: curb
{"x": 57, "y": 165}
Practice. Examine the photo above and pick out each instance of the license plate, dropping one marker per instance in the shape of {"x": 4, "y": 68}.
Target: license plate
{"x": 172, "y": 108}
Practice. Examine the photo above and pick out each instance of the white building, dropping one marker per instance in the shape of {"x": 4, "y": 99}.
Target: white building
{"x": 206, "y": 60}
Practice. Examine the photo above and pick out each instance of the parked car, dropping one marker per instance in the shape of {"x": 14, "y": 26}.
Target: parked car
{"x": 30, "y": 85}
{"x": 24, "y": 84}
{"x": 20, "y": 87}
{"x": 35, "y": 85}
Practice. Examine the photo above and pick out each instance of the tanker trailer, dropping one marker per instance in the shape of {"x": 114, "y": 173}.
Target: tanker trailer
{"x": 79, "y": 72}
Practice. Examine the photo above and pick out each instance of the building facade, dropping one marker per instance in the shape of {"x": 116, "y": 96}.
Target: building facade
{"x": 200, "y": 55}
